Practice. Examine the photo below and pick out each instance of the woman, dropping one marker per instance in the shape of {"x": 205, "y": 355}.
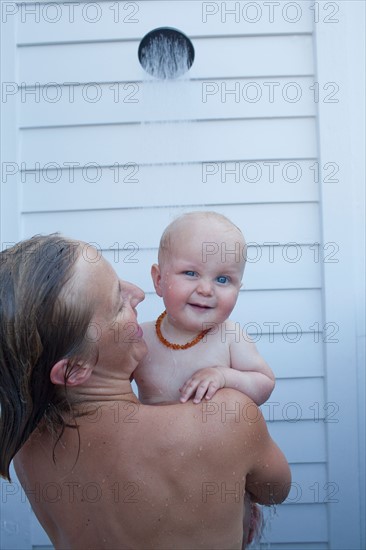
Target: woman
{"x": 102, "y": 470}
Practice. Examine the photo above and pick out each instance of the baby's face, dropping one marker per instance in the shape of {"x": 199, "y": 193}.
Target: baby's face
{"x": 200, "y": 276}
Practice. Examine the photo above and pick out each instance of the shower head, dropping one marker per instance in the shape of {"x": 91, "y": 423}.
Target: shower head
{"x": 166, "y": 53}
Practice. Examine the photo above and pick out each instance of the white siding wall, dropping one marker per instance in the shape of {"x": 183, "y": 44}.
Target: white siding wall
{"x": 158, "y": 149}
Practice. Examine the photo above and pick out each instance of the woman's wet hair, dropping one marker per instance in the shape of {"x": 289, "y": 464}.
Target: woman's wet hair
{"x": 40, "y": 324}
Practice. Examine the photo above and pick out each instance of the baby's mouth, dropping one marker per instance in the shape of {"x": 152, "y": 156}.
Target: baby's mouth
{"x": 200, "y": 306}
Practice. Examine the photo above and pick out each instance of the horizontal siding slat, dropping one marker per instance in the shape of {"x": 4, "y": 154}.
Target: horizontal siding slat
{"x": 113, "y": 228}
{"x": 167, "y": 101}
{"x": 285, "y": 525}
{"x": 292, "y": 306}
{"x": 308, "y": 485}
{"x": 290, "y": 266}
{"x": 146, "y": 185}
{"x": 131, "y": 20}
{"x": 301, "y": 359}
{"x": 215, "y": 58}
{"x": 301, "y": 442}
{"x": 207, "y": 141}
{"x": 295, "y": 400}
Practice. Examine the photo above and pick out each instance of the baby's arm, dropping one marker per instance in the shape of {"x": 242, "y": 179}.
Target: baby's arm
{"x": 249, "y": 373}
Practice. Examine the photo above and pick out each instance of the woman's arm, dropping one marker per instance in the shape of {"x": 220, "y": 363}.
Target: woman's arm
{"x": 269, "y": 479}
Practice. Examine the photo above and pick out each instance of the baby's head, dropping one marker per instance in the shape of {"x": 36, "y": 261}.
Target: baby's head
{"x": 201, "y": 264}
{"x": 213, "y": 233}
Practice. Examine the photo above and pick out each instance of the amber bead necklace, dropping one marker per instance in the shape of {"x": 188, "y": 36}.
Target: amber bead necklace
{"x": 168, "y": 344}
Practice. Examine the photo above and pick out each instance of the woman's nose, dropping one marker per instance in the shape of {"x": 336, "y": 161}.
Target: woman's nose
{"x": 136, "y": 293}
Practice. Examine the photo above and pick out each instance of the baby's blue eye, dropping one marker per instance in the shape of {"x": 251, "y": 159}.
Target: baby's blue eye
{"x": 190, "y": 273}
{"x": 222, "y": 279}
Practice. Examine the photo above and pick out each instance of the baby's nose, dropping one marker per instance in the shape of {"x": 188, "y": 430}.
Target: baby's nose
{"x": 205, "y": 288}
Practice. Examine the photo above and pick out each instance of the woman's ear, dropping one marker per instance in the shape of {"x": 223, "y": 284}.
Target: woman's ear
{"x": 156, "y": 277}
{"x": 75, "y": 377}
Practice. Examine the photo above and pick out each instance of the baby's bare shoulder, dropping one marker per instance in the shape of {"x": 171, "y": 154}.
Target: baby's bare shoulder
{"x": 236, "y": 333}
{"x": 226, "y": 332}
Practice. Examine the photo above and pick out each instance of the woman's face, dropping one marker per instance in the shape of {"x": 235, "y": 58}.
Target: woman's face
{"x": 113, "y": 327}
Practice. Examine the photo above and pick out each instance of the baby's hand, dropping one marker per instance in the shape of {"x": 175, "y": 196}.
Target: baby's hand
{"x": 205, "y": 381}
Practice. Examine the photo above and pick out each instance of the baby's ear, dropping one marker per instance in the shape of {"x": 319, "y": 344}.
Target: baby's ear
{"x": 77, "y": 376}
{"x": 156, "y": 277}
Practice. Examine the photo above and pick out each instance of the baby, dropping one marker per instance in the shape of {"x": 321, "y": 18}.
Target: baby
{"x": 194, "y": 348}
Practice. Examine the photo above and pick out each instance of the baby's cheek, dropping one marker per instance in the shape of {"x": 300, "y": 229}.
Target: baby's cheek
{"x": 168, "y": 286}
{"x": 228, "y": 304}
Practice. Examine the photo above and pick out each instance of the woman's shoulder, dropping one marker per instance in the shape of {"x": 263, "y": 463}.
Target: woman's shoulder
{"x": 228, "y": 407}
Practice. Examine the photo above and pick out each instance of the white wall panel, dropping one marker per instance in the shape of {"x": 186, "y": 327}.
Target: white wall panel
{"x": 293, "y": 359}
{"x": 15, "y": 517}
{"x": 309, "y": 485}
{"x": 131, "y": 185}
{"x": 283, "y": 266}
{"x": 341, "y": 51}
{"x": 299, "y": 399}
{"x": 159, "y": 143}
{"x": 301, "y": 442}
{"x": 214, "y": 58}
{"x": 130, "y": 20}
{"x": 109, "y": 228}
{"x": 305, "y": 521}
{"x": 56, "y": 105}
{"x": 301, "y": 307}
